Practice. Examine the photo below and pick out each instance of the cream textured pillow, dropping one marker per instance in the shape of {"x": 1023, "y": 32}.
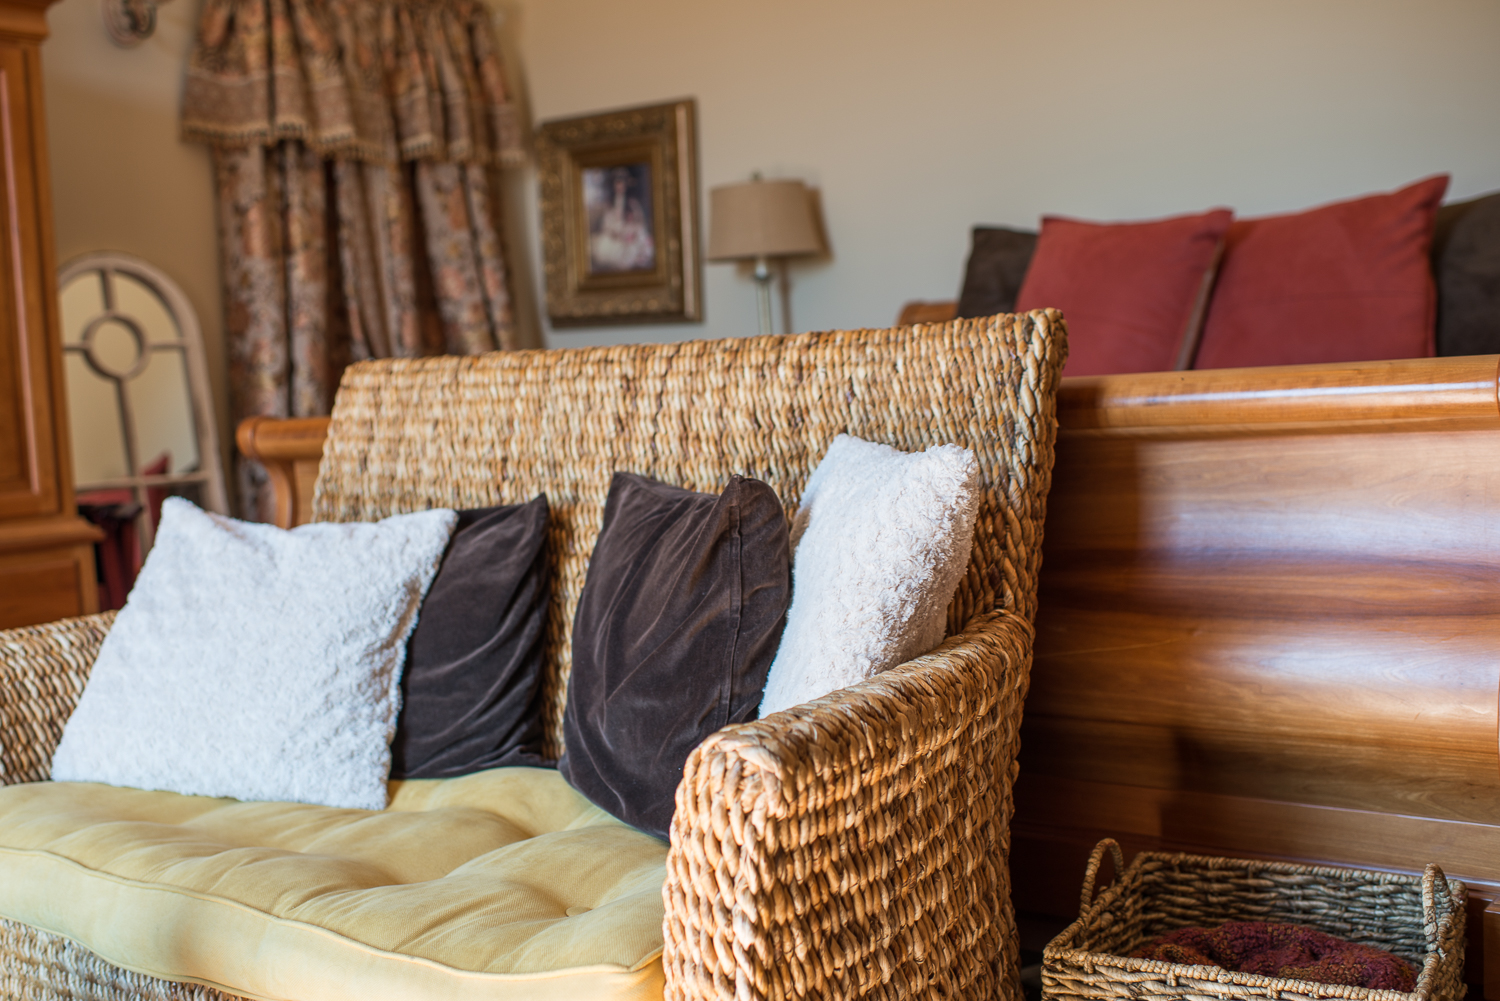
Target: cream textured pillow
{"x": 257, "y": 663}
{"x": 879, "y": 545}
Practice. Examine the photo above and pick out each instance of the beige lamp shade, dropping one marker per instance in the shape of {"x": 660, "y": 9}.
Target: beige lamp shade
{"x": 761, "y": 219}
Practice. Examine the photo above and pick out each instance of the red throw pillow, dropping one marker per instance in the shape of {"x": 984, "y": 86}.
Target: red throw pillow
{"x": 1344, "y": 282}
{"x": 1130, "y": 291}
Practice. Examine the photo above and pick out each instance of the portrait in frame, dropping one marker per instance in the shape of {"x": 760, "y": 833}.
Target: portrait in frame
{"x": 619, "y": 193}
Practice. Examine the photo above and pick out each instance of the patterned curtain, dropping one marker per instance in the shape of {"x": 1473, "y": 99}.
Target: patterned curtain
{"x": 355, "y": 144}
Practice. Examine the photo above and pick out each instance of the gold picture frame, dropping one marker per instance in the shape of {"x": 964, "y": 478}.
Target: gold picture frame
{"x": 620, "y": 216}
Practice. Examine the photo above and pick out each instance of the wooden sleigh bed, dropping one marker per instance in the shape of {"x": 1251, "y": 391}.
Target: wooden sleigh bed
{"x": 1269, "y": 624}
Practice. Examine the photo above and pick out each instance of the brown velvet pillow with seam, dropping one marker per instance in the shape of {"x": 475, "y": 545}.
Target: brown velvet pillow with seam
{"x": 1466, "y": 265}
{"x": 471, "y": 688}
{"x": 998, "y": 259}
{"x": 680, "y": 616}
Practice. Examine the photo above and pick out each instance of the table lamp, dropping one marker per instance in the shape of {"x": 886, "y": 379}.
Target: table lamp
{"x": 757, "y": 220}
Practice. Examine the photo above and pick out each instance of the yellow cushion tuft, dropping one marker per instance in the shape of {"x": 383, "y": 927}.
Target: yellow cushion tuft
{"x": 503, "y": 884}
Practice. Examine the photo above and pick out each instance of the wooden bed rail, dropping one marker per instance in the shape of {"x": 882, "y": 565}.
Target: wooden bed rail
{"x": 1434, "y": 394}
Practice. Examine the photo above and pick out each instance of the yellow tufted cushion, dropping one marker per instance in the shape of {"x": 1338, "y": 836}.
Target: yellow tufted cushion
{"x": 504, "y": 884}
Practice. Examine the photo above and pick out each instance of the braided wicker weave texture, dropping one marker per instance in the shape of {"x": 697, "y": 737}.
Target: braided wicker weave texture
{"x": 854, "y": 847}
{"x": 1420, "y": 918}
{"x": 499, "y": 428}
{"x": 42, "y": 673}
{"x": 857, "y": 847}
{"x": 41, "y": 967}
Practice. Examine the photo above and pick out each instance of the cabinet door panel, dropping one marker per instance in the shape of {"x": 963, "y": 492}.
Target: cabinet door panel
{"x": 41, "y": 587}
{"x": 28, "y": 473}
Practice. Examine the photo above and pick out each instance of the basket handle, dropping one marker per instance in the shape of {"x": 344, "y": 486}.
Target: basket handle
{"x": 1432, "y": 879}
{"x": 1092, "y": 872}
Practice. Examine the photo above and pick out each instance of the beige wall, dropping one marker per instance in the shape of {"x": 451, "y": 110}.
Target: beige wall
{"x": 915, "y": 121}
{"x": 121, "y": 180}
{"x": 918, "y": 120}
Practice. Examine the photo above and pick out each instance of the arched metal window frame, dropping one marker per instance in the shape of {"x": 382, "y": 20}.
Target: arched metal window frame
{"x": 209, "y": 474}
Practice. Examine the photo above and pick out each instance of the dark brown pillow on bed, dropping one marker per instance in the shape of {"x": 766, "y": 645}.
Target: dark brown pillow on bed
{"x": 998, "y": 259}
{"x": 471, "y": 688}
{"x": 679, "y": 618}
{"x": 1466, "y": 264}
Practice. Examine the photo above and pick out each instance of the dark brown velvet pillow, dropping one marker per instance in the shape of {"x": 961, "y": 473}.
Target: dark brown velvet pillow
{"x": 1466, "y": 265}
{"x": 998, "y": 259}
{"x": 679, "y": 618}
{"x": 471, "y": 689}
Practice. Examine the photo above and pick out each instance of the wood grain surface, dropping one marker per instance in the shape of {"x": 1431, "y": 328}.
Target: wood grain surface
{"x": 1373, "y": 395}
{"x": 1270, "y": 624}
{"x": 290, "y": 450}
{"x": 46, "y": 556}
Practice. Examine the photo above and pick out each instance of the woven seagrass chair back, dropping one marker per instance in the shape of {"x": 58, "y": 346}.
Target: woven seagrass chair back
{"x": 466, "y": 432}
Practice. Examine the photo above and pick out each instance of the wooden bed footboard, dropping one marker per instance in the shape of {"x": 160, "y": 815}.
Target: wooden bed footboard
{"x": 1269, "y": 625}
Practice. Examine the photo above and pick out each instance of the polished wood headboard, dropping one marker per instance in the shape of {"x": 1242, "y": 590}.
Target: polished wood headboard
{"x": 1270, "y": 625}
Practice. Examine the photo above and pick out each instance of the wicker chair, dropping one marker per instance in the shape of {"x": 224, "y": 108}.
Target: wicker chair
{"x": 854, "y": 847}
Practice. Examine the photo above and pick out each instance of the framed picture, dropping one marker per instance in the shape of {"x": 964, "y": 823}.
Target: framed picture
{"x": 620, "y": 216}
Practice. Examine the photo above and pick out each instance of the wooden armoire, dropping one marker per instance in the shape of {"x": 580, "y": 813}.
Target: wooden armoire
{"x": 46, "y": 549}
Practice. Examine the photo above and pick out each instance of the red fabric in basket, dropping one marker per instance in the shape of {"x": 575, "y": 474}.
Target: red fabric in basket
{"x": 1280, "y": 950}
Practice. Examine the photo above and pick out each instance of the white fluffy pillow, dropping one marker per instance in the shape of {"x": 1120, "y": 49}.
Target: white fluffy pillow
{"x": 257, "y": 663}
{"x": 880, "y": 542}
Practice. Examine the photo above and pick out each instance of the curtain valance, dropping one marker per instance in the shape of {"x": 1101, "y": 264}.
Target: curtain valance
{"x": 373, "y": 80}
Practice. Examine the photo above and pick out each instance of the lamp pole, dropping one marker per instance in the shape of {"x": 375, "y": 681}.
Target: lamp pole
{"x": 763, "y": 287}
{"x": 765, "y": 222}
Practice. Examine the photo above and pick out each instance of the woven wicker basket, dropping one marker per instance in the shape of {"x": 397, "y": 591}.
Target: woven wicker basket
{"x": 1419, "y": 918}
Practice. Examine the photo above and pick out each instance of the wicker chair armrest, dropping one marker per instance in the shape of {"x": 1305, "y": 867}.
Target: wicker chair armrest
{"x": 42, "y": 673}
{"x": 856, "y": 846}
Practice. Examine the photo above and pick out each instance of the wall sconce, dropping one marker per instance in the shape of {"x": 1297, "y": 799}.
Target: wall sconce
{"x": 759, "y": 220}
{"x": 130, "y": 22}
